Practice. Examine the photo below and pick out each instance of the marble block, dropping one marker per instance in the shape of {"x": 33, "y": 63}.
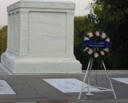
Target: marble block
{"x": 40, "y": 37}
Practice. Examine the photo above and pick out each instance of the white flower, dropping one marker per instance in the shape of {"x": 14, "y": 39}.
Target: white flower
{"x": 86, "y": 38}
{"x": 103, "y": 35}
{"x": 108, "y": 40}
{"x": 90, "y": 34}
{"x": 90, "y": 51}
{"x": 96, "y": 55}
{"x": 106, "y": 49}
{"x": 86, "y": 48}
{"x": 102, "y": 53}
{"x": 97, "y": 33}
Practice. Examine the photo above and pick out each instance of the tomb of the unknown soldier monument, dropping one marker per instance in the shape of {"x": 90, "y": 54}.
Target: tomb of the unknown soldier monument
{"x": 40, "y": 38}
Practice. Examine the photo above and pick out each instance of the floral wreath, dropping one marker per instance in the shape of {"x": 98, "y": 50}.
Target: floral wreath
{"x": 104, "y": 44}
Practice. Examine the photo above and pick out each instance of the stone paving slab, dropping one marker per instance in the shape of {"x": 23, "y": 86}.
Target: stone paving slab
{"x": 32, "y": 88}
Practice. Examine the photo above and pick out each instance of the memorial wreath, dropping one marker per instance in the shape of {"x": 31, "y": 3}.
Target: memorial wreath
{"x": 92, "y": 47}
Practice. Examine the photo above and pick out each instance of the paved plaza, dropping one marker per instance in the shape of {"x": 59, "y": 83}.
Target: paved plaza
{"x": 33, "y": 89}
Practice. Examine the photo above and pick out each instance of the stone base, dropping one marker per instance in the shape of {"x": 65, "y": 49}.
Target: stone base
{"x": 35, "y": 65}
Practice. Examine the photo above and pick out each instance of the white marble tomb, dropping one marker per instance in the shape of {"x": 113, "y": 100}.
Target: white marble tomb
{"x": 40, "y": 37}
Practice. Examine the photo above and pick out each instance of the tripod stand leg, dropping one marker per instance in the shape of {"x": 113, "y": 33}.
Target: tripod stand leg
{"x": 109, "y": 80}
{"x": 85, "y": 77}
{"x": 89, "y": 73}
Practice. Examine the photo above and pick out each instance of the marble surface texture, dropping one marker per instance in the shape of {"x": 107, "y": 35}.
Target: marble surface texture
{"x": 40, "y": 38}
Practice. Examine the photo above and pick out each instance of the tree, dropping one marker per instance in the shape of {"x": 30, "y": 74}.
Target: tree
{"x": 3, "y": 39}
{"x": 82, "y": 25}
{"x": 112, "y": 18}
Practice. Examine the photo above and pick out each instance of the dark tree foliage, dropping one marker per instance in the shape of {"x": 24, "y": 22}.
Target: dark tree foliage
{"x": 112, "y": 18}
{"x": 82, "y": 25}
